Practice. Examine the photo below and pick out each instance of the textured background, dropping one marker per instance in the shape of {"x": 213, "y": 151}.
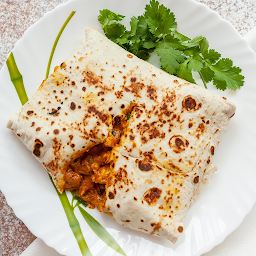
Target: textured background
{"x": 15, "y": 17}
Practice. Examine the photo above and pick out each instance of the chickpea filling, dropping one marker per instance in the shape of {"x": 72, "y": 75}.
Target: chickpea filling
{"x": 88, "y": 174}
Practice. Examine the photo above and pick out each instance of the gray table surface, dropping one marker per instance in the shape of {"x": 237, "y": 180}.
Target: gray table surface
{"x": 15, "y": 17}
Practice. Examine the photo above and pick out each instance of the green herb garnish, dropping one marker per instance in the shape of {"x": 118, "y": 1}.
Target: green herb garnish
{"x": 155, "y": 30}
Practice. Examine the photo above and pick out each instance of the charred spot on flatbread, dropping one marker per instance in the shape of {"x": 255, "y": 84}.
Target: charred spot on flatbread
{"x": 30, "y": 112}
{"x": 54, "y": 112}
{"x": 201, "y": 128}
{"x": 72, "y": 105}
{"x": 103, "y": 117}
{"x": 132, "y": 137}
{"x": 232, "y": 115}
{"x": 37, "y": 147}
{"x": 212, "y": 150}
{"x": 152, "y": 195}
{"x": 156, "y": 227}
{"x": 190, "y": 104}
{"x": 180, "y": 229}
{"x": 91, "y": 78}
{"x": 63, "y": 65}
{"x": 178, "y": 143}
{"x": 135, "y": 88}
{"x": 196, "y": 179}
{"x": 56, "y": 131}
{"x": 152, "y": 92}
{"x": 111, "y": 195}
{"x": 145, "y": 165}
{"x": 117, "y": 120}
{"x": 121, "y": 176}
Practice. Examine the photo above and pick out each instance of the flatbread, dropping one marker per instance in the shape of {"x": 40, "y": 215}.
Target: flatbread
{"x": 174, "y": 128}
{"x": 59, "y": 123}
{"x": 149, "y": 198}
{"x": 180, "y": 126}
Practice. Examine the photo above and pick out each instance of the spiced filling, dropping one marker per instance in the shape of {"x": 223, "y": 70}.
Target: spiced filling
{"x": 88, "y": 174}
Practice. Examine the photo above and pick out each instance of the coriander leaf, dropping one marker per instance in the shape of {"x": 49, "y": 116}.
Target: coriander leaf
{"x": 192, "y": 51}
{"x": 143, "y": 30}
{"x": 114, "y": 31}
{"x": 171, "y": 42}
{"x": 204, "y": 45}
{"x": 161, "y": 20}
{"x": 198, "y": 41}
{"x": 139, "y": 40}
{"x": 194, "y": 42}
{"x": 185, "y": 72}
{"x": 222, "y": 85}
{"x": 143, "y": 54}
{"x": 179, "y": 55}
{"x": 180, "y": 37}
{"x": 211, "y": 56}
{"x": 149, "y": 44}
{"x": 134, "y": 45}
{"x": 134, "y": 25}
{"x": 223, "y": 64}
{"x": 195, "y": 65}
{"x": 138, "y": 50}
{"x": 227, "y": 76}
{"x": 207, "y": 74}
{"x": 170, "y": 58}
{"x": 124, "y": 39}
{"x": 106, "y": 16}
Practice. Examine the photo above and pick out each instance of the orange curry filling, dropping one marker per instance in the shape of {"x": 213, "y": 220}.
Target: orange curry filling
{"x": 88, "y": 174}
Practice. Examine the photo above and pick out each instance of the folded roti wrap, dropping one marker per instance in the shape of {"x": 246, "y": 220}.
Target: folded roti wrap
{"x": 129, "y": 138}
{"x": 149, "y": 198}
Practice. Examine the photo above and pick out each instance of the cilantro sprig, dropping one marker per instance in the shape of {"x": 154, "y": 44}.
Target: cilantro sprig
{"x": 156, "y": 30}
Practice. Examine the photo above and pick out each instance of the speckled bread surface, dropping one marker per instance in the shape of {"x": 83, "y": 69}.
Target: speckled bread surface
{"x": 163, "y": 160}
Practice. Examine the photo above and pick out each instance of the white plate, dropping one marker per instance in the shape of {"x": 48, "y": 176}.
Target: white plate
{"x": 224, "y": 203}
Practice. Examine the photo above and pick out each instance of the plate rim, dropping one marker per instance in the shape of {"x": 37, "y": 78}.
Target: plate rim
{"x": 221, "y": 239}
